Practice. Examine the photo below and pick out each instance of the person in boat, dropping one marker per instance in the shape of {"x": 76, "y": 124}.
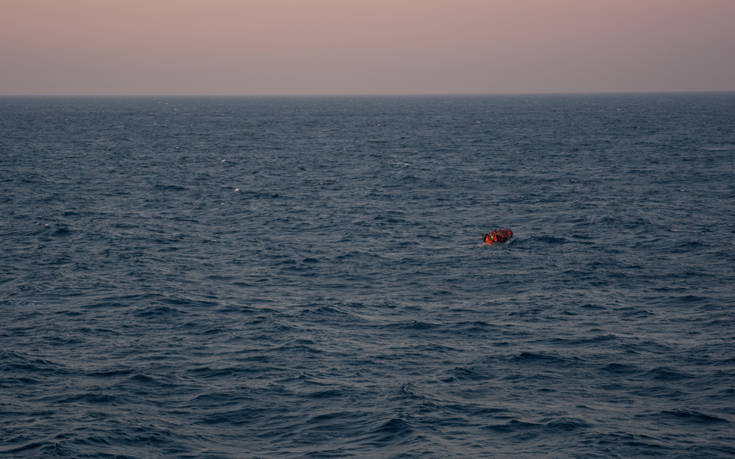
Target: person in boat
{"x": 497, "y": 235}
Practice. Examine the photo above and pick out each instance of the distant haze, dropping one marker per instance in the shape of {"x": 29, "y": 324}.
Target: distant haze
{"x": 365, "y": 46}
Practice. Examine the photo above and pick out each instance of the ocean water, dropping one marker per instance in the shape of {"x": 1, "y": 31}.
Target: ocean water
{"x": 305, "y": 276}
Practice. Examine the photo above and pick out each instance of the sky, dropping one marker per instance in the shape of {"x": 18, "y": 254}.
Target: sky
{"x": 261, "y": 47}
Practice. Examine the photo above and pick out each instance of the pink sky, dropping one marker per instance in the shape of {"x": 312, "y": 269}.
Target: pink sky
{"x": 364, "y": 46}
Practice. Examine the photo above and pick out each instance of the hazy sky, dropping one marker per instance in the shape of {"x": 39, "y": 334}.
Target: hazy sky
{"x": 364, "y": 46}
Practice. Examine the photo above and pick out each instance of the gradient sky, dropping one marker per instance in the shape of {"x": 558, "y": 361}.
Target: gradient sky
{"x": 365, "y": 46}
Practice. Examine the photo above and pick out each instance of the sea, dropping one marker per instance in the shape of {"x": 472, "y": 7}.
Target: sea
{"x": 236, "y": 277}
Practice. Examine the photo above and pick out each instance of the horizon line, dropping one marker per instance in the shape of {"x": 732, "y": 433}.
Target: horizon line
{"x": 428, "y": 94}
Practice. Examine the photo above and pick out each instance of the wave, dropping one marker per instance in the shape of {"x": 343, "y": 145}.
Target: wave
{"x": 694, "y": 417}
{"x": 551, "y": 426}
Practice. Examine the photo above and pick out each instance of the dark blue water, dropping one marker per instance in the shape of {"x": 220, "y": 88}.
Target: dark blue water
{"x": 289, "y": 277}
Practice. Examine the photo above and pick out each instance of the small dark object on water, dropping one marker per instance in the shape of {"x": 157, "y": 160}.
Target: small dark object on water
{"x": 498, "y": 235}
